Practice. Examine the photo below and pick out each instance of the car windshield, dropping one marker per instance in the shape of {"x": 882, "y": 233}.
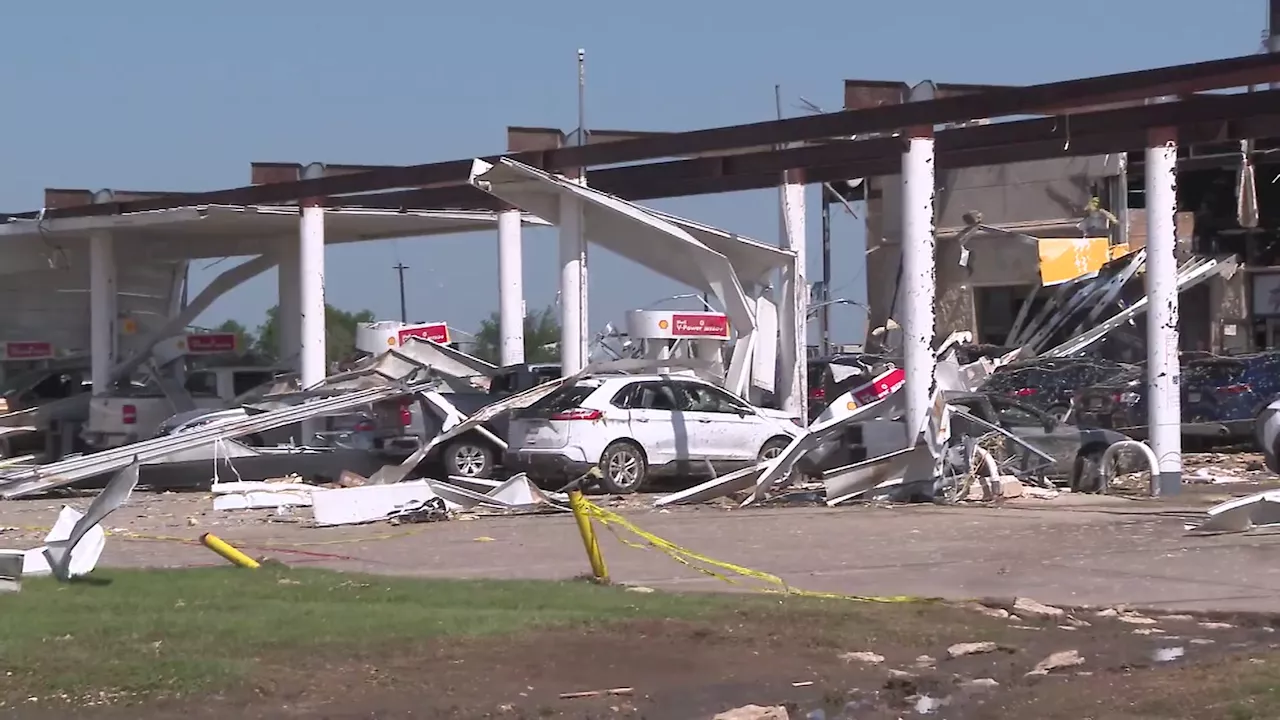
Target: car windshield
{"x": 24, "y": 381}
{"x": 257, "y": 393}
{"x": 1008, "y": 379}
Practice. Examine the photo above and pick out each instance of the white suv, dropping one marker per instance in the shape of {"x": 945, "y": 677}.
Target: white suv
{"x": 634, "y": 426}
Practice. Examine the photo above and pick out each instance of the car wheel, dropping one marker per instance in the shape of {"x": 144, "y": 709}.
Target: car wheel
{"x": 1086, "y": 474}
{"x": 774, "y": 447}
{"x": 1058, "y": 412}
{"x": 255, "y": 441}
{"x": 468, "y": 458}
{"x": 622, "y": 468}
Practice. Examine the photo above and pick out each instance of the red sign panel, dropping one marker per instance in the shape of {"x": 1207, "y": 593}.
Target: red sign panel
{"x": 699, "y": 325}
{"x": 879, "y": 388}
{"x": 435, "y": 332}
{"x": 28, "y": 350}
{"x": 211, "y": 343}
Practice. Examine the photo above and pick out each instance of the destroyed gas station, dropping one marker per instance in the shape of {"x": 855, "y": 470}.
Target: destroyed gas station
{"x": 969, "y": 282}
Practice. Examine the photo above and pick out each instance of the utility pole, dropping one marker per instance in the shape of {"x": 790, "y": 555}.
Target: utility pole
{"x": 824, "y": 320}
{"x": 400, "y": 267}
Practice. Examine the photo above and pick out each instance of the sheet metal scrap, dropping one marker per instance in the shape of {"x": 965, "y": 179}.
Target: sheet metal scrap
{"x": 879, "y": 399}
{"x": 1073, "y": 316}
{"x": 386, "y": 376}
{"x": 1242, "y": 514}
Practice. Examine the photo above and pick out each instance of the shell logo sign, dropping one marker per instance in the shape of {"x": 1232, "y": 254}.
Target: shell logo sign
{"x": 878, "y": 389}
{"x": 663, "y": 324}
{"x": 701, "y": 325}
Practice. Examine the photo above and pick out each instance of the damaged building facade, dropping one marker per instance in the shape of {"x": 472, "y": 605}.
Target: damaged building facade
{"x": 1008, "y": 234}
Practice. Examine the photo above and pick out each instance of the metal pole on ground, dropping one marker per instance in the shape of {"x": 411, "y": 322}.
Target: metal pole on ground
{"x": 578, "y": 503}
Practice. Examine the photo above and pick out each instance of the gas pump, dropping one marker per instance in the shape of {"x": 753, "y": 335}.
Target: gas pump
{"x": 668, "y": 334}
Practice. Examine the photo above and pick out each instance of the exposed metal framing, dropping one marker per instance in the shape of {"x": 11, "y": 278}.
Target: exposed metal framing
{"x": 1002, "y": 102}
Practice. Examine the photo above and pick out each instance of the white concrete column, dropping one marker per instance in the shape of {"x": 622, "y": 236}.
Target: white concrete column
{"x": 288, "y": 307}
{"x": 311, "y": 360}
{"x": 510, "y": 289}
{"x": 793, "y": 324}
{"x": 918, "y": 274}
{"x": 573, "y": 286}
{"x": 102, "y": 310}
{"x": 1164, "y": 403}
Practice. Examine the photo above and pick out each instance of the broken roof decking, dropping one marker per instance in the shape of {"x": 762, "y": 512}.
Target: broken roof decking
{"x": 696, "y": 255}
{"x": 1052, "y": 97}
{"x": 201, "y": 231}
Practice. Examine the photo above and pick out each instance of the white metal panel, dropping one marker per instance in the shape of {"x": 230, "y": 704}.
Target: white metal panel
{"x": 53, "y": 304}
{"x": 624, "y": 228}
{"x": 208, "y": 231}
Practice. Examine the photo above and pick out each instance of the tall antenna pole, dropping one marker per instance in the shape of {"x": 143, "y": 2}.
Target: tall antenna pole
{"x": 582, "y": 103}
{"x": 400, "y": 267}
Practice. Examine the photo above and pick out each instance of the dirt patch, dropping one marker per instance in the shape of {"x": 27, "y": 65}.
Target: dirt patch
{"x": 792, "y": 655}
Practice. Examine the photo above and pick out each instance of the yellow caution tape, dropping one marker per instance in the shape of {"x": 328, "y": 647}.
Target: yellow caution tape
{"x": 703, "y": 564}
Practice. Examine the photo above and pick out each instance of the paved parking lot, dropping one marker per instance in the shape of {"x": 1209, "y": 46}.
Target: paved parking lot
{"x": 1070, "y": 550}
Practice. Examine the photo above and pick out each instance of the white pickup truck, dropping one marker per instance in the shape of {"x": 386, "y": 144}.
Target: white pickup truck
{"x": 131, "y": 416}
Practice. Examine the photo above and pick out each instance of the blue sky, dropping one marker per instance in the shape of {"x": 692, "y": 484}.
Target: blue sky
{"x": 145, "y": 94}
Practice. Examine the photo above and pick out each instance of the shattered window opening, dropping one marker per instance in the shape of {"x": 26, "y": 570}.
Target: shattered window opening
{"x": 1012, "y": 415}
{"x": 652, "y": 396}
{"x": 704, "y": 398}
{"x": 566, "y": 399}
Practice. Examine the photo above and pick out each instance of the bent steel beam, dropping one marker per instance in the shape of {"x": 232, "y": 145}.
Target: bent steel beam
{"x": 1200, "y": 119}
{"x": 1176, "y": 80}
{"x": 632, "y": 232}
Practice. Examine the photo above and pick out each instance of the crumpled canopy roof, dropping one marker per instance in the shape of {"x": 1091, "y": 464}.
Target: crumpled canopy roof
{"x": 697, "y": 255}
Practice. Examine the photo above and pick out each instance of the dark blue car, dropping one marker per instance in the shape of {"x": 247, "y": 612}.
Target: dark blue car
{"x": 1221, "y": 398}
{"x": 1224, "y": 395}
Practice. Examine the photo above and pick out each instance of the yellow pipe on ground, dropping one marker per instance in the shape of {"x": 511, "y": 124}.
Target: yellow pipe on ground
{"x": 232, "y": 555}
{"x": 578, "y": 504}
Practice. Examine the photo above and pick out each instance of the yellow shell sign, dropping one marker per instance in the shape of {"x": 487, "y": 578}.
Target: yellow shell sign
{"x": 391, "y": 342}
{"x": 663, "y": 324}
{"x": 851, "y": 405}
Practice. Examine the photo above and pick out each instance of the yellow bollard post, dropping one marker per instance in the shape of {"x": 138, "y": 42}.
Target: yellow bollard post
{"x": 232, "y": 555}
{"x": 578, "y": 504}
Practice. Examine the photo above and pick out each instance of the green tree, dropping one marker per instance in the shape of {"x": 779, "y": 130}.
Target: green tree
{"x": 541, "y": 334}
{"x": 340, "y": 332}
